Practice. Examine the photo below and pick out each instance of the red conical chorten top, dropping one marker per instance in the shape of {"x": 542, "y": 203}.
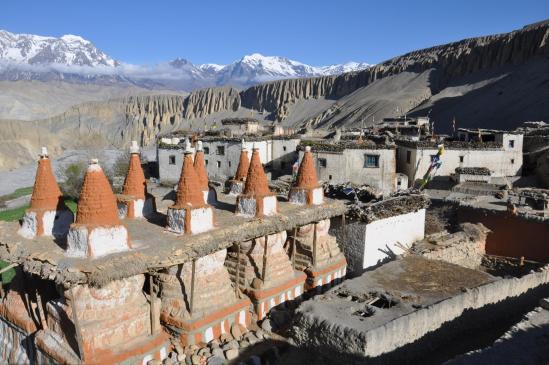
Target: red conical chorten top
{"x": 256, "y": 180}
{"x": 46, "y": 193}
{"x": 97, "y": 203}
{"x": 200, "y": 167}
{"x": 243, "y": 165}
{"x": 135, "y": 185}
{"x": 189, "y": 193}
{"x": 306, "y": 175}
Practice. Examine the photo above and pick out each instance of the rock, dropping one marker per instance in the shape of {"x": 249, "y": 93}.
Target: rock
{"x": 243, "y": 344}
{"x": 195, "y": 359}
{"x": 251, "y": 338}
{"x": 266, "y": 325}
{"x": 226, "y": 337}
{"x": 188, "y": 360}
{"x": 218, "y": 352}
{"x": 236, "y": 332}
{"x": 182, "y": 358}
{"x": 230, "y": 345}
{"x": 216, "y": 360}
{"x": 204, "y": 352}
{"x": 231, "y": 354}
{"x": 259, "y": 333}
{"x": 544, "y": 303}
{"x": 168, "y": 361}
{"x": 214, "y": 343}
{"x": 154, "y": 362}
{"x": 178, "y": 348}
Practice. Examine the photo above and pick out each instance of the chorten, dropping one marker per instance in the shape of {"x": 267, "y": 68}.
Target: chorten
{"x": 190, "y": 214}
{"x": 134, "y": 202}
{"x": 256, "y": 200}
{"x": 97, "y": 230}
{"x": 47, "y": 214}
{"x": 237, "y": 183}
{"x": 200, "y": 168}
{"x": 306, "y": 190}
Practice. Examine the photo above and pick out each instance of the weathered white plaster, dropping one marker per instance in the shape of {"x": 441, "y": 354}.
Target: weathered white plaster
{"x": 208, "y": 334}
{"x": 104, "y": 241}
{"x": 29, "y": 225}
{"x": 298, "y": 196}
{"x": 138, "y": 205}
{"x": 384, "y": 234}
{"x": 77, "y": 242}
{"x": 237, "y": 187}
{"x": 201, "y": 220}
{"x": 100, "y": 241}
{"x": 122, "y": 210}
{"x": 246, "y": 207}
{"x": 269, "y": 205}
{"x": 176, "y": 220}
{"x": 318, "y": 196}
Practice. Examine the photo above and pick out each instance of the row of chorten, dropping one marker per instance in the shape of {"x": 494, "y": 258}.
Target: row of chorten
{"x": 99, "y": 209}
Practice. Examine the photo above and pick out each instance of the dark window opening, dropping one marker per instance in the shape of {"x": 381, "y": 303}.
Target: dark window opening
{"x": 229, "y": 163}
{"x": 206, "y": 162}
{"x": 408, "y": 156}
{"x": 512, "y": 161}
{"x": 511, "y": 143}
{"x": 206, "y": 150}
{"x": 221, "y": 150}
{"x": 371, "y": 160}
{"x": 283, "y": 148}
{"x": 330, "y": 177}
{"x": 322, "y": 162}
{"x": 172, "y": 160}
{"x": 460, "y": 158}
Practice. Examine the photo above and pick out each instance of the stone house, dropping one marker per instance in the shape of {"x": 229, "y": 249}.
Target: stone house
{"x": 357, "y": 163}
{"x": 222, "y": 155}
{"x": 502, "y": 155}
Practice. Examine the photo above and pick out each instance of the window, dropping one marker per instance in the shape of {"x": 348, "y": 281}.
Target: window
{"x": 206, "y": 150}
{"x": 511, "y": 143}
{"x": 206, "y": 162}
{"x": 322, "y": 162}
{"x": 229, "y": 163}
{"x": 221, "y": 150}
{"x": 512, "y": 161}
{"x": 330, "y": 177}
{"x": 284, "y": 148}
{"x": 371, "y": 160}
{"x": 460, "y": 158}
{"x": 171, "y": 160}
{"x": 408, "y": 156}
{"x": 218, "y": 164}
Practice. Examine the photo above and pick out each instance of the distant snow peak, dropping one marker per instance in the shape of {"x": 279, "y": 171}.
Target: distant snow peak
{"x": 28, "y": 56}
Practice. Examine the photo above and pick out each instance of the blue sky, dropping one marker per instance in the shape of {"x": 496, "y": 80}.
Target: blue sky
{"x": 315, "y": 32}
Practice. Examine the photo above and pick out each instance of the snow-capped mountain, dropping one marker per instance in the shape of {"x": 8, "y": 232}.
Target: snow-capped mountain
{"x": 73, "y": 58}
{"x": 68, "y": 50}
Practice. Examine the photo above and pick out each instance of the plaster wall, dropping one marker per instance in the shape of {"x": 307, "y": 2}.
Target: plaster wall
{"x": 501, "y": 162}
{"x": 349, "y": 166}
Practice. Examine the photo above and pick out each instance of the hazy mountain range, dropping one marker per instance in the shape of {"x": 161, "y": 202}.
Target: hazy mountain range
{"x": 73, "y": 58}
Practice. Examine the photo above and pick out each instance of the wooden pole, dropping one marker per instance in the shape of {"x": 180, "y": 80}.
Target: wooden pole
{"x": 77, "y": 329}
{"x": 294, "y": 247}
{"x": 343, "y": 232}
{"x": 237, "y": 268}
{"x": 41, "y": 311}
{"x": 193, "y": 272}
{"x": 265, "y": 253}
{"x": 314, "y": 244}
{"x": 153, "y": 304}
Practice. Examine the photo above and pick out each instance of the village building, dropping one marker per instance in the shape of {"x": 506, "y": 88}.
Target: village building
{"x": 366, "y": 162}
{"x": 222, "y": 155}
{"x": 501, "y": 153}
